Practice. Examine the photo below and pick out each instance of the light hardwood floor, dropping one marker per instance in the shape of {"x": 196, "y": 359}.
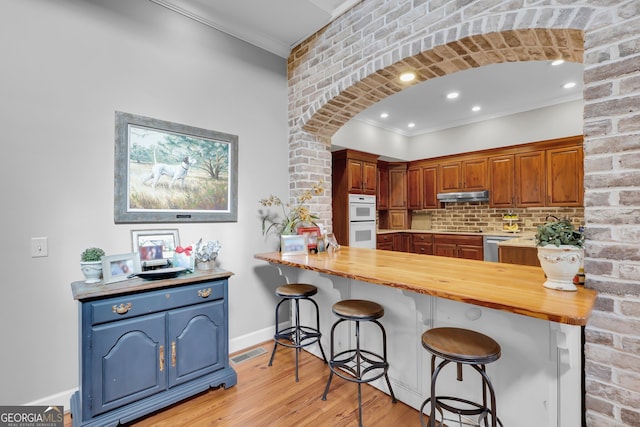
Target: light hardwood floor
{"x": 270, "y": 396}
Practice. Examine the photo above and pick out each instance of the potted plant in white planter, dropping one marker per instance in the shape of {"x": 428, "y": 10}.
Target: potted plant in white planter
{"x": 91, "y": 264}
{"x": 561, "y": 253}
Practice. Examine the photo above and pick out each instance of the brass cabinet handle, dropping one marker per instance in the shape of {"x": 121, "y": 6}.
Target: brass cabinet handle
{"x": 204, "y": 293}
{"x": 173, "y": 354}
{"x": 161, "y": 358}
{"x": 122, "y": 308}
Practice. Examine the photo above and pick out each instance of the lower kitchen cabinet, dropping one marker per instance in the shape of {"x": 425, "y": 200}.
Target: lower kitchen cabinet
{"x": 384, "y": 241}
{"x": 458, "y": 246}
{"x": 141, "y": 351}
{"x": 518, "y": 255}
{"x": 422, "y": 243}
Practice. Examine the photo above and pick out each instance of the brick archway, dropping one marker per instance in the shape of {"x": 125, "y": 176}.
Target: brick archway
{"x": 464, "y": 54}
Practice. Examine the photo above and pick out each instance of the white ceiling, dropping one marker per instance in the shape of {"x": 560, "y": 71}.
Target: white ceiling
{"x": 501, "y": 89}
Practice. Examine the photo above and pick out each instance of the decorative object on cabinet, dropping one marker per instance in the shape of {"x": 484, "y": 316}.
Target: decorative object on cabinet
{"x": 293, "y": 216}
{"x": 147, "y": 345}
{"x": 206, "y": 254}
{"x": 332, "y": 242}
{"x": 293, "y": 244}
{"x": 116, "y": 268}
{"x": 169, "y": 172}
{"x": 561, "y": 253}
{"x": 155, "y": 247}
{"x": 312, "y": 233}
{"x": 91, "y": 264}
{"x": 184, "y": 257}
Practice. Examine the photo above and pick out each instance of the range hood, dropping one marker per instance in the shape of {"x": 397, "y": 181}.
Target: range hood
{"x": 464, "y": 196}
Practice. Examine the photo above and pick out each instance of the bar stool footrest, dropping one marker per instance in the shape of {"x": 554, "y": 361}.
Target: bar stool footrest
{"x": 370, "y": 363}
{"x": 477, "y": 409}
{"x": 308, "y": 336}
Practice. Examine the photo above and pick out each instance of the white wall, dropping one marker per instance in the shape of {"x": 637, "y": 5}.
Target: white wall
{"x": 536, "y": 125}
{"x": 67, "y": 66}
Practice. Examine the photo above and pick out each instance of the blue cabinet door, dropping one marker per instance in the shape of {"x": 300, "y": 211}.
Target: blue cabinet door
{"x": 128, "y": 362}
{"x": 197, "y": 341}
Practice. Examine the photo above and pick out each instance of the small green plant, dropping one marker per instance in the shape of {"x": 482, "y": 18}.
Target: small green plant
{"x": 91, "y": 254}
{"x": 559, "y": 232}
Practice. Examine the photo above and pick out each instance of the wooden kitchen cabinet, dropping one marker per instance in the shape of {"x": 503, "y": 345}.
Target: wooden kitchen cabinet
{"x": 385, "y": 241}
{"x": 518, "y": 255}
{"x": 422, "y": 187}
{"x": 430, "y": 187}
{"x": 464, "y": 175}
{"x": 530, "y": 179}
{"x": 397, "y": 186}
{"x": 422, "y": 243}
{"x": 414, "y": 188}
{"x": 402, "y": 242}
{"x": 398, "y": 219}
{"x": 458, "y": 246}
{"x": 382, "y": 198}
{"x": 356, "y": 171}
{"x": 565, "y": 176}
{"x": 144, "y": 349}
{"x": 502, "y": 182}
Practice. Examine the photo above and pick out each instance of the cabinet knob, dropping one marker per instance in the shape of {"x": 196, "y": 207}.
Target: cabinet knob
{"x": 122, "y": 308}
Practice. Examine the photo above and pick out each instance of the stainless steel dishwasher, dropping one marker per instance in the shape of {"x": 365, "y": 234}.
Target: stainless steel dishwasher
{"x": 490, "y": 246}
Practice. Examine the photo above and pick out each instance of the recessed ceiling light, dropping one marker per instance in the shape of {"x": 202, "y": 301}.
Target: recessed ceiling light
{"x": 569, "y": 85}
{"x": 407, "y": 76}
{"x": 557, "y": 62}
{"x": 475, "y": 108}
{"x": 384, "y": 115}
{"x": 411, "y": 125}
{"x": 453, "y": 95}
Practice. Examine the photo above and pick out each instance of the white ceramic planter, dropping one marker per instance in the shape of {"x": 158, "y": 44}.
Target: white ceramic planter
{"x": 92, "y": 271}
{"x": 560, "y": 264}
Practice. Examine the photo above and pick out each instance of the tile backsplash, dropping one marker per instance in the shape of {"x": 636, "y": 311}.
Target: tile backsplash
{"x": 478, "y": 216}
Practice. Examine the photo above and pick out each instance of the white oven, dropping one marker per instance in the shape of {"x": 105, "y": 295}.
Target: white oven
{"x": 362, "y": 221}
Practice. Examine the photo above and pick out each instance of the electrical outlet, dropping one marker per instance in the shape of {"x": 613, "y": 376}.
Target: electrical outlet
{"x": 528, "y": 223}
{"x": 39, "y": 247}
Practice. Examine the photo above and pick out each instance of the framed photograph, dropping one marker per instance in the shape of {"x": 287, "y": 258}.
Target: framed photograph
{"x": 331, "y": 242}
{"x": 312, "y": 233}
{"x": 116, "y": 268}
{"x": 293, "y": 244}
{"x": 154, "y": 247}
{"x": 168, "y": 172}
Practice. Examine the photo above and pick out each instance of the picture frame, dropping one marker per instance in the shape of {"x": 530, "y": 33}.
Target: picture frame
{"x": 155, "y": 247}
{"x": 116, "y": 268}
{"x": 312, "y": 233}
{"x": 293, "y": 244}
{"x": 173, "y": 173}
{"x": 331, "y": 242}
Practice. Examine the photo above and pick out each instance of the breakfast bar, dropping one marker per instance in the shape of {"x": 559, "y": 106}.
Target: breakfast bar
{"x": 537, "y": 379}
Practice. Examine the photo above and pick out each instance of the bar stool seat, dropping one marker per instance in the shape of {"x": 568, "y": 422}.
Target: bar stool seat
{"x": 461, "y": 346}
{"x": 358, "y": 365}
{"x": 296, "y": 336}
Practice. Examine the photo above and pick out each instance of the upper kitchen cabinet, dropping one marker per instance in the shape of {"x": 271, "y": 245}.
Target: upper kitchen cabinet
{"x": 530, "y": 179}
{"x": 382, "y": 199}
{"x": 502, "y": 181}
{"x": 463, "y": 175}
{"x": 397, "y": 185}
{"x": 565, "y": 175}
{"x": 355, "y": 171}
{"x": 422, "y": 186}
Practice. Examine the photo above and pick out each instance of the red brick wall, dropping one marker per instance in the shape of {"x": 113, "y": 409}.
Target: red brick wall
{"x": 353, "y": 62}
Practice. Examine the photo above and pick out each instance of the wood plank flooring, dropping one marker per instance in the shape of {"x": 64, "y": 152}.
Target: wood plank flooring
{"x": 270, "y": 396}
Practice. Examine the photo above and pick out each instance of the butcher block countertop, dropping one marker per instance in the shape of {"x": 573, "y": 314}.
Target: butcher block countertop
{"x": 507, "y": 287}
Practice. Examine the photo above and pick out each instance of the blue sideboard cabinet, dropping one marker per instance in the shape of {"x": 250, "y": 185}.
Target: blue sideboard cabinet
{"x": 145, "y": 345}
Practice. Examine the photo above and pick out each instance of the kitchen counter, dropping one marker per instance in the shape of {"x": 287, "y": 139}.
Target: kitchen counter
{"x": 513, "y": 288}
{"x": 520, "y": 242}
{"x": 538, "y": 376}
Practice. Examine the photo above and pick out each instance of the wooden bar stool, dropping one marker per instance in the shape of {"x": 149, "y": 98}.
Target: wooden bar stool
{"x": 461, "y": 346}
{"x": 358, "y": 365}
{"x": 296, "y": 336}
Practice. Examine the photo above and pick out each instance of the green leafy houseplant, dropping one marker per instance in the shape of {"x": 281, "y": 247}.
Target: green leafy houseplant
{"x": 91, "y": 255}
{"x": 559, "y": 232}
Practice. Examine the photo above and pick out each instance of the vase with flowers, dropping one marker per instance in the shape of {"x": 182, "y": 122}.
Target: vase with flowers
{"x": 293, "y": 215}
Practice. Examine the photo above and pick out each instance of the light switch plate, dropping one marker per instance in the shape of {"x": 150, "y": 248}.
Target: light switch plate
{"x": 39, "y": 247}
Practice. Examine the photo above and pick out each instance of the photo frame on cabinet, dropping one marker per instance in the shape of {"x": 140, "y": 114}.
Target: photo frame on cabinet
{"x": 293, "y": 244}
{"x": 155, "y": 247}
{"x": 312, "y": 233}
{"x": 331, "y": 242}
{"x": 173, "y": 173}
{"x": 116, "y": 268}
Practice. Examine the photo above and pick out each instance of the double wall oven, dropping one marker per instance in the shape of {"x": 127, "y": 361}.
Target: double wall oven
{"x": 362, "y": 221}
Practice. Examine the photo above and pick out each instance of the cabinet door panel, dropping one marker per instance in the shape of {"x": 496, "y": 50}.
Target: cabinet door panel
{"x": 445, "y": 249}
{"x": 450, "y": 178}
{"x": 414, "y": 190}
{"x": 369, "y": 178}
{"x": 382, "y": 199}
{"x": 397, "y": 188}
{"x": 355, "y": 175}
{"x": 475, "y": 175}
{"x": 126, "y": 362}
{"x": 502, "y": 182}
{"x": 470, "y": 252}
{"x": 197, "y": 341}
{"x": 565, "y": 176}
{"x": 530, "y": 177}
{"x": 429, "y": 188}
